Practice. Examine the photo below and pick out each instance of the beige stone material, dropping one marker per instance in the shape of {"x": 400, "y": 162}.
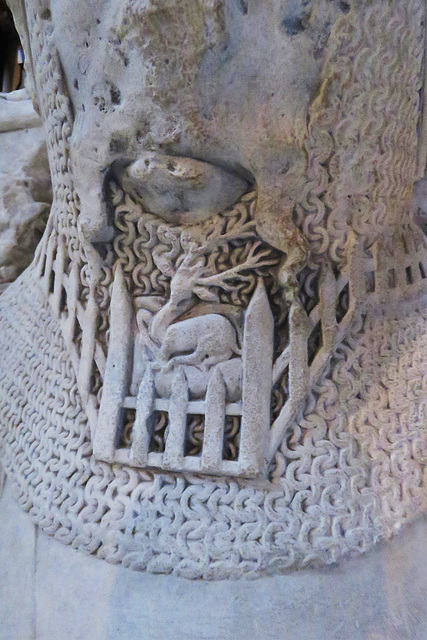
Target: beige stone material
{"x": 214, "y": 368}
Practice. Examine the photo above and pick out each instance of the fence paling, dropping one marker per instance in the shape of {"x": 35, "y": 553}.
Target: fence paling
{"x": 299, "y": 332}
{"x": 51, "y": 247}
{"x": 88, "y": 346}
{"x": 215, "y": 417}
{"x": 257, "y": 361}
{"x": 59, "y": 267}
{"x": 144, "y": 409}
{"x": 72, "y": 292}
{"x": 173, "y": 456}
{"x": 328, "y": 296}
{"x": 116, "y": 370}
{"x": 405, "y": 269}
{"x": 302, "y": 376}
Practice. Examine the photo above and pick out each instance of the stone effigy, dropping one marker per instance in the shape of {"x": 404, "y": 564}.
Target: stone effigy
{"x": 215, "y": 365}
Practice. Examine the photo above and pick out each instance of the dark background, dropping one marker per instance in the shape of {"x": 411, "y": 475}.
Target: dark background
{"x": 10, "y": 70}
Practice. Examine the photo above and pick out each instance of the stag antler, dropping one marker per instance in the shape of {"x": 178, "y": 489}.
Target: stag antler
{"x": 253, "y": 261}
{"x": 246, "y": 231}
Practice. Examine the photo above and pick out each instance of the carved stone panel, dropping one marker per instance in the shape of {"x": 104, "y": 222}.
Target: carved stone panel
{"x": 223, "y": 329}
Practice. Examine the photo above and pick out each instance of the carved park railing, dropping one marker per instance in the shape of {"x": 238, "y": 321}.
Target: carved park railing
{"x": 367, "y": 281}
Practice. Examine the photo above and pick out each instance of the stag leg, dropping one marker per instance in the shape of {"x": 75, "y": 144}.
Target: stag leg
{"x": 195, "y": 358}
{"x": 211, "y": 361}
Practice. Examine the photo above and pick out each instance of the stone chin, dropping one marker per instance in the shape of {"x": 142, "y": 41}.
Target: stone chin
{"x": 180, "y": 190}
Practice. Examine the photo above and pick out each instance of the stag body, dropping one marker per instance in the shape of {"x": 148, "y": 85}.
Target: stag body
{"x": 204, "y": 340}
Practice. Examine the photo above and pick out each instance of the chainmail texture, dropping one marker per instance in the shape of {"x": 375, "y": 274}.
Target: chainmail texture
{"x": 351, "y": 472}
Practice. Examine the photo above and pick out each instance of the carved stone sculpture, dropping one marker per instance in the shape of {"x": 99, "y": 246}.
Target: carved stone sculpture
{"x": 215, "y": 365}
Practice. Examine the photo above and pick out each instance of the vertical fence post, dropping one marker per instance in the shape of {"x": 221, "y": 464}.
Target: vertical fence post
{"x": 257, "y": 362}
{"x": 59, "y": 276}
{"x": 328, "y": 304}
{"x": 49, "y": 263}
{"x": 173, "y": 457}
{"x": 213, "y": 437}
{"x": 116, "y": 378}
{"x": 88, "y": 346}
{"x": 72, "y": 292}
{"x": 144, "y": 409}
{"x": 299, "y": 332}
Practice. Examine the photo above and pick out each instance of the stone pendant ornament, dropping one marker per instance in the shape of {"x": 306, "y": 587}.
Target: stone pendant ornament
{"x": 230, "y": 285}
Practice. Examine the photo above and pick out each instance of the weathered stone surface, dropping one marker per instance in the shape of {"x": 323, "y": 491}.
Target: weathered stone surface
{"x": 25, "y": 184}
{"x": 215, "y": 366}
{"x": 17, "y": 562}
{"x": 17, "y": 112}
{"x": 379, "y": 596}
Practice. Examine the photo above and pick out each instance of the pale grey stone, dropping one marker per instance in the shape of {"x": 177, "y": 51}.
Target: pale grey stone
{"x": 379, "y": 596}
{"x": 17, "y": 566}
{"x": 214, "y": 368}
{"x": 17, "y": 112}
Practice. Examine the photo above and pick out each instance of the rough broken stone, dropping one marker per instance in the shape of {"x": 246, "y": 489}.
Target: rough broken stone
{"x": 25, "y": 185}
{"x": 214, "y": 367}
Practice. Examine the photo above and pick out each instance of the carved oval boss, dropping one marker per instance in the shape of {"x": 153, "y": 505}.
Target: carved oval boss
{"x": 230, "y": 244}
